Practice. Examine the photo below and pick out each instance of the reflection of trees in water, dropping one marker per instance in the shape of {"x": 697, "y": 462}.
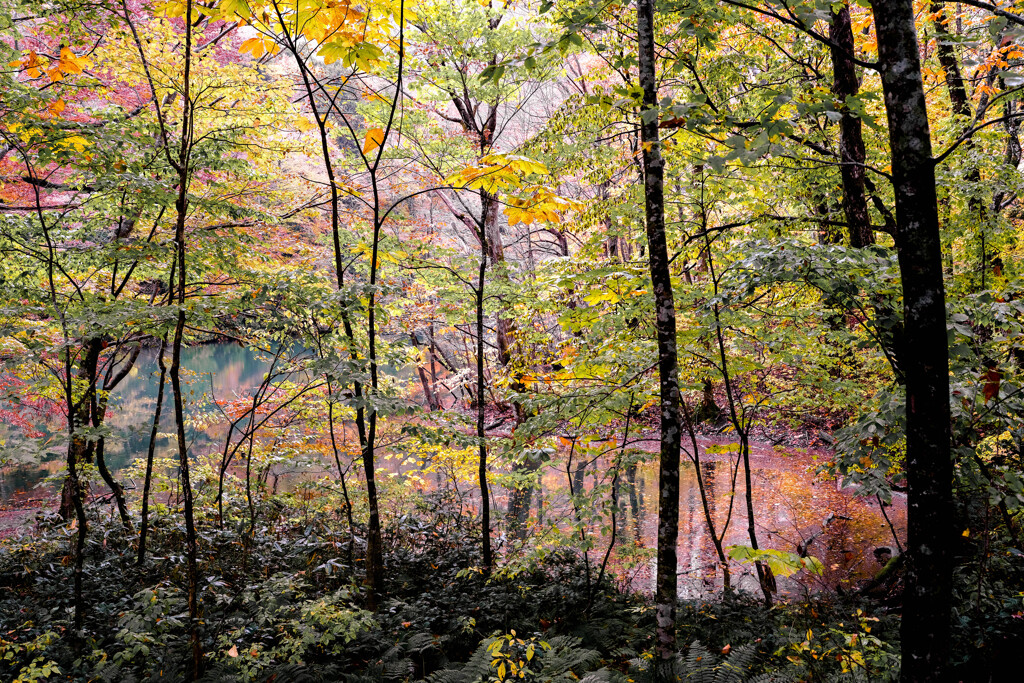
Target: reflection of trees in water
{"x": 790, "y": 505}
{"x": 222, "y": 370}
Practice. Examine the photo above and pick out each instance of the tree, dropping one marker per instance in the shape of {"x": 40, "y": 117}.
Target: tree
{"x": 927, "y": 610}
{"x": 851, "y": 140}
{"x": 671, "y": 425}
{"x": 361, "y": 40}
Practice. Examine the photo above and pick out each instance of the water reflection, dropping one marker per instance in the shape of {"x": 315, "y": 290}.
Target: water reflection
{"x": 209, "y": 371}
{"x": 793, "y": 511}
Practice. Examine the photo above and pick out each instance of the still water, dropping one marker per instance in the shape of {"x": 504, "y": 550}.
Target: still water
{"x": 217, "y": 370}
{"x": 792, "y": 507}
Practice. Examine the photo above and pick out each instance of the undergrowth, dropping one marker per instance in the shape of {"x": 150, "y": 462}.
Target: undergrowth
{"x": 285, "y": 603}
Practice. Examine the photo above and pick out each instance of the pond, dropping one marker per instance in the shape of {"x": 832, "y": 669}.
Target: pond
{"x": 793, "y": 508}
{"x": 219, "y": 370}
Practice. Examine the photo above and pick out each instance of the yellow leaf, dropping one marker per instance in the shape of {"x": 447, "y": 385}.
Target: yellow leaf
{"x": 171, "y": 9}
{"x": 374, "y": 139}
{"x": 76, "y": 141}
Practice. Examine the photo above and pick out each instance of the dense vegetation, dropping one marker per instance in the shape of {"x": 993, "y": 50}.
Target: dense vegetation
{"x": 493, "y": 246}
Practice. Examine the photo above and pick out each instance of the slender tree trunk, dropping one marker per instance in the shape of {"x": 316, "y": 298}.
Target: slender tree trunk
{"x": 851, "y": 139}
{"x": 366, "y": 425}
{"x": 485, "y": 500}
{"x": 425, "y": 383}
{"x": 495, "y": 251}
{"x": 741, "y": 425}
{"x": 144, "y": 521}
{"x": 191, "y": 545}
{"x": 666, "y": 585}
{"x": 99, "y": 411}
{"x": 181, "y": 208}
{"x": 75, "y": 494}
{"x": 79, "y": 414}
{"x": 925, "y": 627}
{"x": 433, "y": 366}
{"x": 709, "y": 520}
{"x": 519, "y": 497}
{"x": 374, "y": 541}
{"x": 344, "y": 485}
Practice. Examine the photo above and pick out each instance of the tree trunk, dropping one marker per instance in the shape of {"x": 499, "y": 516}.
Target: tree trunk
{"x": 79, "y": 414}
{"x": 374, "y": 540}
{"x": 851, "y": 139}
{"x": 425, "y": 383}
{"x": 181, "y": 207}
{"x": 365, "y": 424}
{"x": 666, "y": 588}
{"x": 481, "y": 435}
{"x": 925, "y": 627}
{"x": 961, "y": 108}
{"x": 950, "y": 65}
{"x": 144, "y": 521}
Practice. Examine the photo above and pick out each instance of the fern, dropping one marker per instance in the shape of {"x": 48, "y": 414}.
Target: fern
{"x": 476, "y": 668}
{"x": 293, "y": 673}
{"x": 565, "y": 658}
{"x": 560, "y": 659}
{"x": 700, "y": 665}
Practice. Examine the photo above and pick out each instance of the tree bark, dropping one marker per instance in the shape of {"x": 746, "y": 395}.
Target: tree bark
{"x": 851, "y": 139}
{"x": 481, "y": 435}
{"x": 925, "y": 627}
{"x": 950, "y": 65}
{"x": 666, "y": 586}
{"x": 144, "y": 521}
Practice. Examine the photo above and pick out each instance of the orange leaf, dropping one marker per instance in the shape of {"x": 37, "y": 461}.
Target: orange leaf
{"x": 374, "y": 139}
{"x": 253, "y": 46}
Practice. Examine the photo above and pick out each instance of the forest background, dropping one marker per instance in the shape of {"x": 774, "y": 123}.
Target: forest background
{"x": 578, "y": 223}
